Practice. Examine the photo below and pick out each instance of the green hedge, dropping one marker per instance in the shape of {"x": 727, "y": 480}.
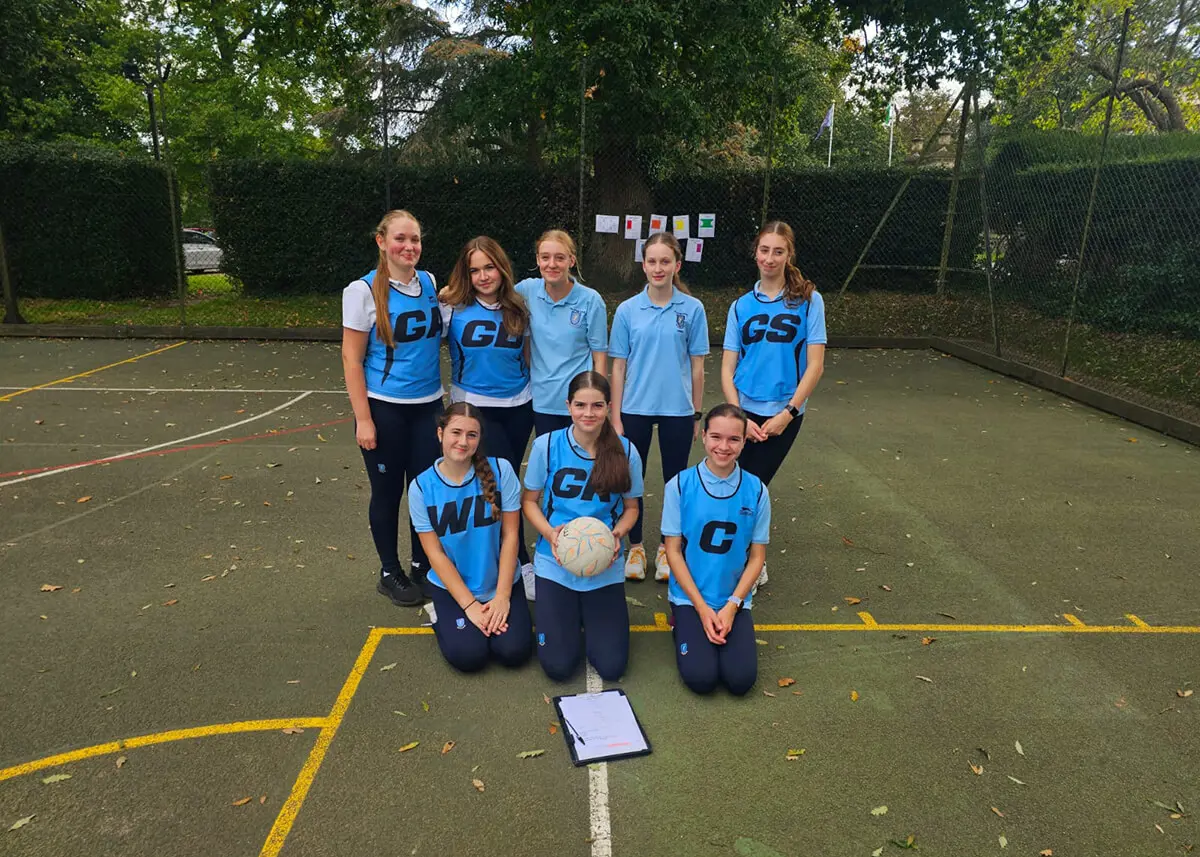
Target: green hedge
{"x": 292, "y": 227}
{"x": 85, "y": 223}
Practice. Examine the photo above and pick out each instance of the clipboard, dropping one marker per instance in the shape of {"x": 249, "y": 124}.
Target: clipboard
{"x": 606, "y": 719}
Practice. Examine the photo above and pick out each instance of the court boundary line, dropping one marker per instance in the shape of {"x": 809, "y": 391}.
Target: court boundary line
{"x": 158, "y": 446}
{"x": 70, "y": 378}
{"x": 155, "y": 390}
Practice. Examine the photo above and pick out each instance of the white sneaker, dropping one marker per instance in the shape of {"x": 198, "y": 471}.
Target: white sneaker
{"x": 528, "y": 580}
{"x": 635, "y": 563}
{"x": 762, "y": 580}
{"x": 662, "y": 569}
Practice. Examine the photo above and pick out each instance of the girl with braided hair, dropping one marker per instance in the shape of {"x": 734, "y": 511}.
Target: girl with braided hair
{"x": 465, "y": 509}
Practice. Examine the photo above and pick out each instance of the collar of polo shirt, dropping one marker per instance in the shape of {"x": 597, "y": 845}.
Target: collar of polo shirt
{"x": 646, "y": 303}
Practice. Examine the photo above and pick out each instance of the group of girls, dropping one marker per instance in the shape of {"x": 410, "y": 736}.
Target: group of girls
{"x": 533, "y": 357}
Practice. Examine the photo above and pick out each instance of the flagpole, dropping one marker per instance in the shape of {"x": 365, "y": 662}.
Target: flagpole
{"x": 829, "y": 159}
{"x": 891, "y": 133}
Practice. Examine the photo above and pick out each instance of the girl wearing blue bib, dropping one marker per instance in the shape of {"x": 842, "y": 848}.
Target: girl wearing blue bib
{"x": 658, "y": 344}
{"x": 774, "y": 352}
{"x": 717, "y": 522}
{"x": 466, "y": 508}
{"x": 583, "y": 470}
{"x": 487, "y": 328}
{"x": 391, "y": 335}
{"x": 568, "y": 329}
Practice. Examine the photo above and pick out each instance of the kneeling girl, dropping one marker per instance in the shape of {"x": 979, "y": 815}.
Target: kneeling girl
{"x": 465, "y": 509}
{"x": 585, "y": 469}
{"x": 716, "y": 520}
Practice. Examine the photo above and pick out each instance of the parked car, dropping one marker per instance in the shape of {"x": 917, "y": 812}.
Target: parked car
{"x": 201, "y": 252}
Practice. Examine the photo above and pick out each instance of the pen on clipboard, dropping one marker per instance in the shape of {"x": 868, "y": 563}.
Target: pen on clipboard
{"x": 574, "y": 731}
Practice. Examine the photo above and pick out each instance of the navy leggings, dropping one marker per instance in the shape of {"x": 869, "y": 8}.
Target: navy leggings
{"x": 763, "y": 458}
{"x": 546, "y": 423}
{"x": 674, "y": 446}
{"x": 406, "y": 444}
{"x": 466, "y": 647}
{"x": 703, "y": 664}
{"x": 505, "y": 435}
{"x": 603, "y": 615}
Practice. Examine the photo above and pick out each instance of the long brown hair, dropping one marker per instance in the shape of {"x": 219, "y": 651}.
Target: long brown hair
{"x": 610, "y": 472}
{"x": 483, "y": 467}
{"x": 567, "y": 241}
{"x": 379, "y": 284}
{"x": 459, "y": 291}
{"x": 796, "y": 289}
{"x": 671, "y": 241}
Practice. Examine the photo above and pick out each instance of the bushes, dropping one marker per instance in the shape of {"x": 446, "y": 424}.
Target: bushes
{"x": 85, "y": 223}
{"x": 293, "y": 227}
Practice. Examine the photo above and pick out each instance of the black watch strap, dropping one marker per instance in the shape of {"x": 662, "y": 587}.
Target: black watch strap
{"x": 792, "y": 409}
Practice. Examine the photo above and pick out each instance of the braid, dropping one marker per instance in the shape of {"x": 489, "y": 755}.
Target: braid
{"x": 487, "y": 480}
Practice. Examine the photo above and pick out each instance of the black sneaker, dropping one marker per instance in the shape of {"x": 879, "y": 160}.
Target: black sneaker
{"x": 420, "y": 579}
{"x": 400, "y": 589}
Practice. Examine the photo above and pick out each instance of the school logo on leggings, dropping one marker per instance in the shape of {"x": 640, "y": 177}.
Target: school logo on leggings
{"x": 460, "y": 623}
{"x": 541, "y": 639}
{"x": 683, "y": 648}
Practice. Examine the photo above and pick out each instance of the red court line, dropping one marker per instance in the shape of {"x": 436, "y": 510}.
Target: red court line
{"x": 189, "y": 447}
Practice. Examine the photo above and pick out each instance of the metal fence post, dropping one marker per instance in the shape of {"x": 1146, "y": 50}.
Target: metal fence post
{"x": 12, "y": 313}
{"x": 952, "y": 202}
{"x": 987, "y": 227}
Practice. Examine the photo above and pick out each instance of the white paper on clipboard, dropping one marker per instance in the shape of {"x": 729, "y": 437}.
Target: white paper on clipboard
{"x": 602, "y": 725}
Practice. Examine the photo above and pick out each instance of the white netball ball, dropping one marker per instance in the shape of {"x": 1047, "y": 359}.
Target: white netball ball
{"x": 586, "y": 546}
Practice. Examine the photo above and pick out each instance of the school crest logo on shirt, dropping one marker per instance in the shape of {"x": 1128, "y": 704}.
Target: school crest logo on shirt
{"x": 576, "y": 318}
{"x": 680, "y": 320}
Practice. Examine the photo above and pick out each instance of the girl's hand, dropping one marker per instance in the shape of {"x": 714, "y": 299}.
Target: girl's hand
{"x": 553, "y": 538}
{"x": 754, "y": 432}
{"x": 478, "y": 617}
{"x": 496, "y": 612}
{"x": 726, "y": 615}
{"x": 364, "y": 433}
{"x": 776, "y": 424}
{"x": 712, "y": 627}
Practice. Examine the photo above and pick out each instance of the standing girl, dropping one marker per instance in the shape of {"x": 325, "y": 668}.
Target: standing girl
{"x": 774, "y": 352}
{"x": 568, "y": 329}
{"x": 586, "y": 469}
{"x": 658, "y": 345}
{"x": 391, "y": 334}
{"x": 466, "y": 508}
{"x": 487, "y": 326}
{"x": 717, "y": 522}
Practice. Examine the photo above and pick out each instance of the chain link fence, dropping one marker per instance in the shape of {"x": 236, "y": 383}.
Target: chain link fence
{"x": 1076, "y": 255}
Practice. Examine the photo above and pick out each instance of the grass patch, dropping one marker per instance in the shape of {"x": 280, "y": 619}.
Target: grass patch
{"x": 1153, "y": 369}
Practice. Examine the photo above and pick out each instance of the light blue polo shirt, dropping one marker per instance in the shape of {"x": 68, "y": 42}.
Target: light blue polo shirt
{"x": 562, "y": 336}
{"x": 772, "y": 337}
{"x": 657, "y": 343}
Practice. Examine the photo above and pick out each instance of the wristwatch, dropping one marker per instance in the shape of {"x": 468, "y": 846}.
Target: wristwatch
{"x": 697, "y": 416}
{"x": 733, "y": 599}
{"x": 792, "y": 409}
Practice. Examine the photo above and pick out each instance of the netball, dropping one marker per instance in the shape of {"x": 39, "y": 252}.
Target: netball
{"x": 586, "y": 546}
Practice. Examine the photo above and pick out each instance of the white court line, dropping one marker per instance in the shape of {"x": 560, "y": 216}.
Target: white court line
{"x": 180, "y": 390}
{"x": 598, "y": 788}
{"x": 11, "y": 542}
{"x": 176, "y": 442}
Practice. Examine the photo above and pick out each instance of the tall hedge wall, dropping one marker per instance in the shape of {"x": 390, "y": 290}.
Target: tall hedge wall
{"x": 300, "y": 226}
{"x": 84, "y": 223}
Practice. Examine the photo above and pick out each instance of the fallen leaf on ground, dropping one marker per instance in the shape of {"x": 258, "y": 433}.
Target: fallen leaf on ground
{"x": 793, "y": 755}
{"x": 387, "y": 667}
{"x": 262, "y": 799}
{"x": 1184, "y": 694}
{"x": 998, "y": 812}
{"x": 478, "y": 784}
{"x": 424, "y": 705}
{"x": 631, "y": 600}
{"x": 121, "y": 760}
{"x": 847, "y": 542}
{"x": 854, "y": 696}
{"x": 1046, "y": 852}
{"x": 768, "y": 693}
{"x": 879, "y": 810}
{"x": 1020, "y": 750}
{"x": 925, "y": 678}
{"x": 292, "y": 730}
{"x": 208, "y": 578}
{"x": 242, "y": 801}
{"x": 759, "y": 642}
{"x": 797, "y": 693}
{"x": 530, "y": 754}
{"x": 410, "y": 745}
{"x": 878, "y": 852}
{"x": 84, "y": 499}
{"x": 949, "y": 616}
{"x": 401, "y": 713}
{"x": 55, "y": 778}
{"x": 910, "y": 842}
{"x": 885, "y": 587}
{"x": 1003, "y": 841}
{"x": 852, "y": 600}
{"x": 109, "y": 693}
{"x": 321, "y": 438}
{"x": 926, "y": 641}
{"x": 1015, "y": 780}
{"x": 553, "y": 729}
{"x": 21, "y": 822}
{"x": 447, "y": 747}
{"x": 786, "y": 682}
{"x": 977, "y": 770}
{"x": 50, "y": 587}
{"x": 229, "y": 476}
{"x": 546, "y": 698}
{"x": 171, "y": 603}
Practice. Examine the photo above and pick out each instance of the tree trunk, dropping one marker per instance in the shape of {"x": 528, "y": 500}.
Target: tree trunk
{"x": 12, "y": 313}
{"x": 620, "y": 188}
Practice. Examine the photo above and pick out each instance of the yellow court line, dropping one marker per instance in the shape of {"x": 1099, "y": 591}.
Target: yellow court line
{"x": 291, "y": 807}
{"x": 1074, "y": 620}
{"x": 70, "y": 378}
{"x": 162, "y": 738}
